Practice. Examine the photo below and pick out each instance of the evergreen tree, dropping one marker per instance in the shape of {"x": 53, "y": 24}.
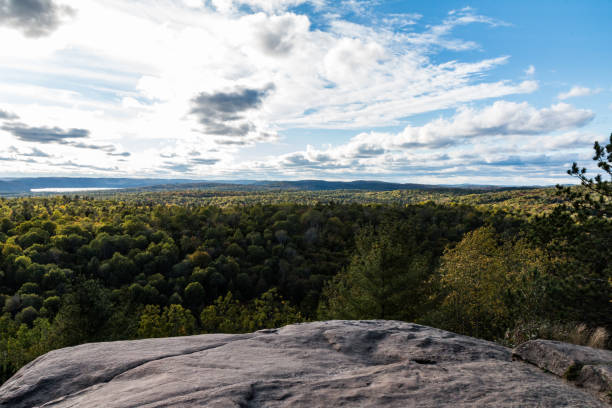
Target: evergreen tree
{"x": 578, "y": 238}
{"x": 595, "y": 198}
{"x": 385, "y": 279}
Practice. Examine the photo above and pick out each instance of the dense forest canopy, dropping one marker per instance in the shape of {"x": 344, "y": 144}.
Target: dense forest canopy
{"x": 500, "y": 265}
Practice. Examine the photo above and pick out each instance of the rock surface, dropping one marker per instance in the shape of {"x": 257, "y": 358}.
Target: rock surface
{"x": 322, "y": 364}
{"x": 587, "y": 367}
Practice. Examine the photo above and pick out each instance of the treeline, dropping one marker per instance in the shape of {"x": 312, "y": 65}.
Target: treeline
{"x": 525, "y": 200}
{"x": 78, "y": 269}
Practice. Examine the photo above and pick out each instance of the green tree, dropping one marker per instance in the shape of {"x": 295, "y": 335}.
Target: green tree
{"x": 194, "y": 294}
{"x": 270, "y": 310}
{"x": 595, "y": 198}
{"x": 19, "y": 347}
{"x": 150, "y": 323}
{"x": 117, "y": 270}
{"x": 84, "y": 313}
{"x": 384, "y": 280}
{"x": 223, "y": 316}
{"x": 52, "y": 305}
{"x": 8, "y": 328}
{"x": 227, "y": 315}
{"x": 27, "y": 315}
{"x": 173, "y": 321}
{"x": 178, "y": 321}
{"x": 578, "y": 236}
{"x": 234, "y": 250}
{"x": 200, "y": 258}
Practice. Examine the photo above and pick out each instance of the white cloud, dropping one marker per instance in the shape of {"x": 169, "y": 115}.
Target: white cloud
{"x": 530, "y": 130}
{"x": 438, "y": 35}
{"x": 572, "y": 140}
{"x": 578, "y": 91}
{"x": 499, "y": 119}
{"x": 530, "y": 70}
{"x": 354, "y": 76}
{"x": 133, "y": 87}
{"x": 481, "y": 164}
{"x": 352, "y": 60}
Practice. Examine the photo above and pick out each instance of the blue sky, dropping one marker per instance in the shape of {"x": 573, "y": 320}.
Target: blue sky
{"x": 504, "y": 92}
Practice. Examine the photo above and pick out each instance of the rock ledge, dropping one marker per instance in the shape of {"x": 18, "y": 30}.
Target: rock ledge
{"x": 586, "y": 367}
{"x": 321, "y": 364}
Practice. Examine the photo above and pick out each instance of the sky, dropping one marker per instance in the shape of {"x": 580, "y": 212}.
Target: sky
{"x": 436, "y": 92}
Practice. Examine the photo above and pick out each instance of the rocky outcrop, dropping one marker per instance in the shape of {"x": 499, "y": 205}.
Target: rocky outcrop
{"x": 586, "y": 367}
{"x": 322, "y": 364}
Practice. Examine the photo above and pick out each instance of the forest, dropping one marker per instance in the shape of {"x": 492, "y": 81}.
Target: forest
{"x": 501, "y": 265}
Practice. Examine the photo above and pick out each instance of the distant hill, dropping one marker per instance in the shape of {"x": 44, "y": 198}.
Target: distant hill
{"x": 371, "y": 185}
{"x": 24, "y": 186}
{"x": 317, "y": 185}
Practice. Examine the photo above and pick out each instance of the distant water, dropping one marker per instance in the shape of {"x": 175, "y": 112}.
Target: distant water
{"x": 70, "y": 189}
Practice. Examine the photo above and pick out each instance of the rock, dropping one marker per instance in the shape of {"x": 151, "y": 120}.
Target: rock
{"x": 587, "y": 367}
{"x": 596, "y": 377}
{"x": 322, "y": 364}
{"x": 558, "y": 357}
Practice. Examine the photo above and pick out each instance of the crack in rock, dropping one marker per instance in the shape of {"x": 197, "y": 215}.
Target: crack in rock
{"x": 126, "y": 370}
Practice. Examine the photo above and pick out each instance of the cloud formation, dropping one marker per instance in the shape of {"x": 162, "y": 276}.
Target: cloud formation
{"x": 223, "y": 113}
{"x": 190, "y": 76}
{"x": 205, "y": 162}
{"x": 501, "y": 119}
{"x": 105, "y": 148}
{"x": 43, "y": 134}
{"x": 578, "y": 91}
{"x": 178, "y": 167}
{"x": 277, "y": 35}
{"x": 71, "y": 164}
{"x": 68, "y": 137}
{"x": 439, "y": 35}
{"x": 34, "y": 18}
{"x": 4, "y": 115}
{"x": 16, "y": 159}
{"x": 36, "y": 153}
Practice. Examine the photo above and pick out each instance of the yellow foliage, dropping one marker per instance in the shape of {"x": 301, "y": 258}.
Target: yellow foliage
{"x": 487, "y": 283}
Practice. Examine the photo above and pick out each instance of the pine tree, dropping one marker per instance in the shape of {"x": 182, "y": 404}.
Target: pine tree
{"x": 383, "y": 281}
{"x": 578, "y": 236}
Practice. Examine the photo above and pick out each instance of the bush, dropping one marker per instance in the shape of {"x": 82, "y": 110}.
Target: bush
{"x": 568, "y": 332}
